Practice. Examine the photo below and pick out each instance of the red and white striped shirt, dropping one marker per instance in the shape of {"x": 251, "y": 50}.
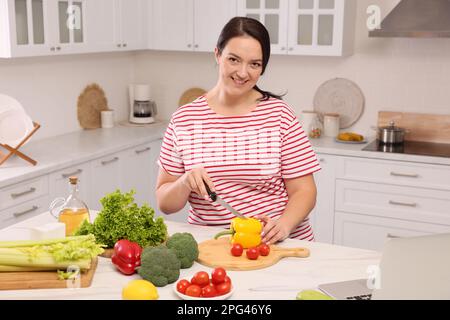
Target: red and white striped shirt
{"x": 247, "y": 157}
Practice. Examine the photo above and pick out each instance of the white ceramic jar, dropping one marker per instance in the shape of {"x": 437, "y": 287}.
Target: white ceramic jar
{"x": 331, "y": 125}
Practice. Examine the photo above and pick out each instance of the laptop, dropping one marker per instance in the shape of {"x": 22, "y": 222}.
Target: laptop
{"x": 415, "y": 268}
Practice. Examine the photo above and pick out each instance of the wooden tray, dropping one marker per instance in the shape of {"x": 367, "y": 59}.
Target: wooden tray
{"x": 216, "y": 253}
{"x": 43, "y": 279}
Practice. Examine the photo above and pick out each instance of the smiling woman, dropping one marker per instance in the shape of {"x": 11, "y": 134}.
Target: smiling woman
{"x": 245, "y": 143}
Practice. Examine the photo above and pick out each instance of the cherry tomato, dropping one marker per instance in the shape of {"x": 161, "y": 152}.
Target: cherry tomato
{"x": 193, "y": 290}
{"x": 201, "y": 278}
{"x": 227, "y": 279}
{"x": 237, "y": 250}
{"x": 182, "y": 286}
{"x": 209, "y": 291}
{"x": 264, "y": 249}
{"x": 252, "y": 253}
{"x": 218, "y": 275}
{"x": 223, "y": 288}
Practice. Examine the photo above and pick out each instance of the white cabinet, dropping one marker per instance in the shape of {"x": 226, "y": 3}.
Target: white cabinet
{"x": 305, "y": 27}
{"x": 105, "y": 178}
{"x": 39, "y": 27}
{"x": 130, "y": 27}
{"x": 59, "y": 182}
{"x": 376, "y": 199}
{"x": 140, "y": 172}
{"x": 189, "y": 25}
{"x": 322, "y": 217}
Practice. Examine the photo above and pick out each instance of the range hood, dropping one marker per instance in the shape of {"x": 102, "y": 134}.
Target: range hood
{"x": 416, "y": 19}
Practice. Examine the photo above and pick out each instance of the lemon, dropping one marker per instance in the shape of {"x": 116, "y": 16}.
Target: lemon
{"x": 139, "y": 290}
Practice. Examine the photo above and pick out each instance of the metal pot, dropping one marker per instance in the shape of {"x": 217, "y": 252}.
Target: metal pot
{"x": 391, "y": 134}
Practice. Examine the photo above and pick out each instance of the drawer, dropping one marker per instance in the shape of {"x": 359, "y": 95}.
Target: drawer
{"x": 395, "y": 172}
{"x": 369, "y": 232}
{"x": 23, "y": 211}
{"x": 16, "y": 194}
{"x": 407, "y": 203}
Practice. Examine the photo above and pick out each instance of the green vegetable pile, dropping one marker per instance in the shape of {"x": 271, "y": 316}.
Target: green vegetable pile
{"x": 161, "y": 265}
{"x": 186, "y": 248}
{"x": 121, "y": 218}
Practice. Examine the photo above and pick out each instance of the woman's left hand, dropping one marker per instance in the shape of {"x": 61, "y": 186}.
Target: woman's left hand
{"x": 273, "y": 230}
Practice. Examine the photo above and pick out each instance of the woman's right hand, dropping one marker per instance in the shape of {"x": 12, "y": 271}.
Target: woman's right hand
{"x": 195, "y": 180}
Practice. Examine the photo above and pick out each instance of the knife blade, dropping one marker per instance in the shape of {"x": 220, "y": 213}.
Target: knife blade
{"x": 215, "y": 198}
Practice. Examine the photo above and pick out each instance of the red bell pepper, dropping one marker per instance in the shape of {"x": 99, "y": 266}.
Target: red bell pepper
{"x": 127, "y": 256}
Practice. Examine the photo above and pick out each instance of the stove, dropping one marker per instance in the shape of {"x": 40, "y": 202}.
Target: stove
{"x": 411, "y": 147}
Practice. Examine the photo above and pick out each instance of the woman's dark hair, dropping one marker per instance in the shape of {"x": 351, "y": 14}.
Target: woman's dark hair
{"x": 243, "y": 26}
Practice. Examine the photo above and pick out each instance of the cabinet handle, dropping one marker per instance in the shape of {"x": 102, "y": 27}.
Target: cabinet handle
{"x": 67, "y": 175}
{"x": 196, "y": 46}
{"x": 21, "y": 194}
{"x": 405, "y": 204}
{"x": 58, "y": 48}
{"x": 396, "y": 174}
{"x": 143, "y": 150}
{"x": 283, "y": 48}
{"x": 18, "y": 214}
{"x": 124, "y": 45}
{"x": 291, "y": 49}
{"x": 119, "y": 45}
{"x": 104, "y": 163}
{"x": 322, "y": 160}
{"x": 189, "y": 45}
{"x": 52, "y": 49}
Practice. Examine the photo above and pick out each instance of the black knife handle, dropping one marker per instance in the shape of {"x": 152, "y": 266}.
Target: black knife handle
{"x": 211, "y": 194}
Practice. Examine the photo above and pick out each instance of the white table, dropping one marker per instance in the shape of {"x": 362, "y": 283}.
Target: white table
{"x": 282, "y": 281}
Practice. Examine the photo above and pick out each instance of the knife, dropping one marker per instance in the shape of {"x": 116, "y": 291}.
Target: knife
{"x": 215, "y": 198}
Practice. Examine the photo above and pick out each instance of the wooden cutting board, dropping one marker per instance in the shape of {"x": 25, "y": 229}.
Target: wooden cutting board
{"x": 216, "y": 253}
{"x": 43, "y": 279}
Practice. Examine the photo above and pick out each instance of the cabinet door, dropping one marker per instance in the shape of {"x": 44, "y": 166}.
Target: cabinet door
{"x": 29, "y": 28}
{"x": 322, "y": 217}
{"x": 131, "y": 22}
{"x": 210, "y": 16}
{"x": 140, "y": 172}
{"x": 172, "y": 24}
{"x": 59, "y": 182}
{"x": 371, "y": 232}
{"x": 106, "y": 178}
{"x": 69, "y": 29}
{"x": 101, "y": 20}
{"x": 316, "y": 27}
{"x": 273, "y": 14}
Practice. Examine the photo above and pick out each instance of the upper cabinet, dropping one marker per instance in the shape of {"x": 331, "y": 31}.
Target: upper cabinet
{"x": 47, "y": 27}
{"x": 305, "y": 27}
{"x": 189, "y": 25}
{"x": 43, "y": 27}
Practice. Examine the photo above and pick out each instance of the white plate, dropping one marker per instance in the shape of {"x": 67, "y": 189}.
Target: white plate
{"x": 15, "y": 125}
{"x": 8, "y": 103}
{"x": 350, "y": 142}
{"x": 185, "y": 297}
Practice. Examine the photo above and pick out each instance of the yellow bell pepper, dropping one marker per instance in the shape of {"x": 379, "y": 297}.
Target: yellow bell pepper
{"x": 246, "y": 232}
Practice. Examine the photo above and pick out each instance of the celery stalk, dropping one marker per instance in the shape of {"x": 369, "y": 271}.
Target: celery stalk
{"x": 18, "y": 258}
{"x": 45, "y": 242}
{"x": 24, "y": 269}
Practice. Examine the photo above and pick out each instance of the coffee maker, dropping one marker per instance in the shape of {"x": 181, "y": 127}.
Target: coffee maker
{"x": 142, "y": 108}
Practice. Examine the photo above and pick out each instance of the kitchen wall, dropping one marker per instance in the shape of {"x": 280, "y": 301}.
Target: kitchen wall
{"x": 397, "y": 74}
{"x": 48, "y": 87}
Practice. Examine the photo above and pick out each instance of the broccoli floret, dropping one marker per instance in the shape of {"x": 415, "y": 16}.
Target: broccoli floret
{"x": 185, "y": 247}
{"x": 159, "y": 265}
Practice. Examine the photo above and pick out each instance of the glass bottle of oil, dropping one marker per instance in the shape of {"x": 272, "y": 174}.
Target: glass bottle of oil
{"x": 73, "y": 210}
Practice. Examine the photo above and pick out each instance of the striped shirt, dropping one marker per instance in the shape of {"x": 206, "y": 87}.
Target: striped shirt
{"x": 247, "y": 157}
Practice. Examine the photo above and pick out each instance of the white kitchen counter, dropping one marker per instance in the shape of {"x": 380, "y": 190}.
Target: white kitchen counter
{"x": 327, "y": 263}
{"x": 73, "y": 148}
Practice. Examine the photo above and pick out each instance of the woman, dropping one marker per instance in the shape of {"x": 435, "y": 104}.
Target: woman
{"x": 246, "y": 144}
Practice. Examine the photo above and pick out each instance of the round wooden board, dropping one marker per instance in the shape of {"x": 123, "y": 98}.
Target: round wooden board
{"x": 91, "y": 102}
{"x": 216, "y": 253}
{"x": 190, "y": 95}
